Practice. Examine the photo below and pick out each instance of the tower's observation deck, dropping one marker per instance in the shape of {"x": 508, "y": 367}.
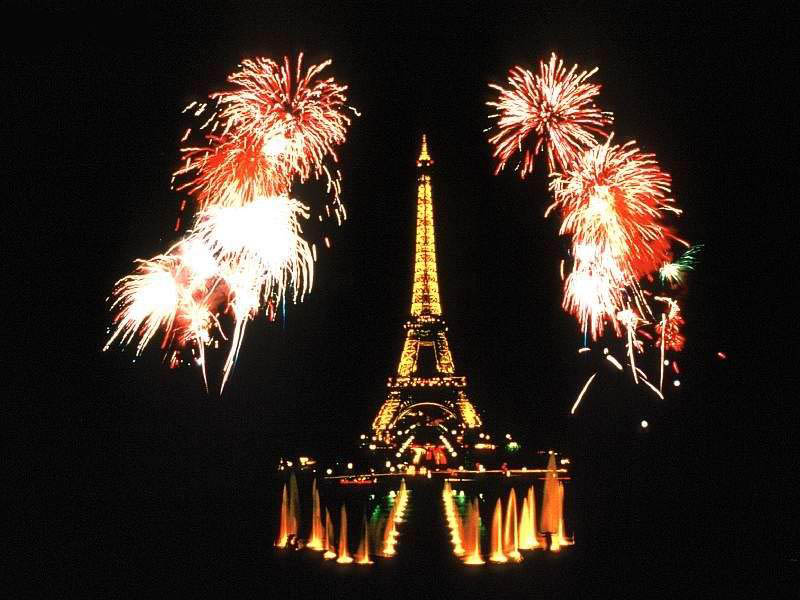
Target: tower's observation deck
{"x": 426, "y": 392}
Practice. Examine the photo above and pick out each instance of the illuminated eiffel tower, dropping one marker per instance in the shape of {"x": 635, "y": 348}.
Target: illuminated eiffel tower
{"x": 426, "y": 402}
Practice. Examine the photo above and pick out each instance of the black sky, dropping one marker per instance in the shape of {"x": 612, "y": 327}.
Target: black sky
{"x": 99, "y": 97}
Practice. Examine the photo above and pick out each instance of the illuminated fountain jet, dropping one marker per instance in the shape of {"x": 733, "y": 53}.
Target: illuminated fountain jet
{"x": 389, "y": 533}
{"x": 289, "y": 513}
{"x": 496, "y": 554}
{"x": 317, "y": 531}
{"x": 283, "y": 531}
{"x": 511, "y": 529}
{"x": 362, "y": 555}
{"x": 453, "y": 520}
{"x": 396, "y": 515}
{"x": 293, "y": 521}
{"x": 552, "y": 521}
{"x": 344, "y": 554}
{"x": 329, "y": 540}
{"x": 473, "y": 536}
{"x": 527, "y": 523}
{"x": 401, "y": 501}
{"x": 560, "y": 538}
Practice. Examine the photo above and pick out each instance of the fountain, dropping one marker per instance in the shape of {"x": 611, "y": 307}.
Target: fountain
{"x": 560, "y": 538}
{"x": 527, "y": 532}
{"x": 511, "y": 529}
{"x": 532, "y": 540}
{"x": 362, "y": 555}
{"x": 293, "y": 520}
{"x": 551, "y": 503}
{"x": 328, "y": 542}
{"x": 283, "y": 532}
{"x": 496, "y": 554}
{"x": 473, "y": 535}
{"x": 344, "y": 554}
{"x": 400, "y": 501}
{"x": 389, "y": 532}
{"x": 453, "y": 520}
{"x": 317, "y": 532}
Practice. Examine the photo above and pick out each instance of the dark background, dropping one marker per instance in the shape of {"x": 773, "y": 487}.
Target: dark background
{"x": 129, "y": 472}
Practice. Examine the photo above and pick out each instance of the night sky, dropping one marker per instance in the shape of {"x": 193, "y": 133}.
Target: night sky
{"x": 99, "y": 97}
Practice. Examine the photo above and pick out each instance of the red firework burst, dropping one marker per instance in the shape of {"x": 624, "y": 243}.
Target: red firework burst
{"x": 668, "y": 330}
{"x": 232, "y": 173}
{"x": 297, "y": 120}
{"x": 554, "y": 108}
{"x": 276, "y": 124}
{"x": 613, "y": 200}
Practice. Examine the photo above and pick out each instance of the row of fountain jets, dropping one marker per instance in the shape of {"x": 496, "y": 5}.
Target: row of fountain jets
{"x": 323, "y": 537}
{"x": 514, "y": 532}
{"x": 511, "y": 530}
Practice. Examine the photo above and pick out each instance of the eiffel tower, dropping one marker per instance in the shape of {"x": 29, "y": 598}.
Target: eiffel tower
{"x": 426, "y": 402}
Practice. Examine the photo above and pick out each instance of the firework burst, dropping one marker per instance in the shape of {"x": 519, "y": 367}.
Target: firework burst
{"x": 553, "y": 110}
{"x": 612, "y": 203}
{"x": 277, "y": 124}
{"x": 614, "y": 199}
{"x": 174, "y": 292}
{"x": 262, "y": 238}
{"x": 245, "y": 250}
{"x": 674, "y": 273}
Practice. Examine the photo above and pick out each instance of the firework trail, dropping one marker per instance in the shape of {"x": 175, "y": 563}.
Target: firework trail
{"x": 553, "y": 110}
{"x": 245, "y": 250}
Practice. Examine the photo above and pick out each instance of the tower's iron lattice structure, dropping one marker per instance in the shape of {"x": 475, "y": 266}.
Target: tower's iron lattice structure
{"x": 427, "y": 389}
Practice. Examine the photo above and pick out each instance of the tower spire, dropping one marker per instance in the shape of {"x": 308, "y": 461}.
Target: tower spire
{"x": 424, "y": 158}
{"x": 425, "y": 295}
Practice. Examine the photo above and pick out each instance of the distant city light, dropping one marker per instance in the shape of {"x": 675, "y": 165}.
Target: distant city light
{"x": 645, "y": 424}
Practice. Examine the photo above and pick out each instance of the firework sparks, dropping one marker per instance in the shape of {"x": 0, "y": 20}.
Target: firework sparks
{"x": 147, "y": 300}
{"x": 553, "y": 110}
{"x": 263, "y": 239}
{"x": 614, "y": 199}
{"x": 173, "y": 292}
{"x": 669, "y": 328}
{"x": 278, "y": 123}
{"x": 262, "y": 253}
{"x": 630, "y": 320}
{"x": 674, "y": 273}
{"x": 612, "y": 203}
{"x": 593, "y": 290}
{"x": 245, "y": 249}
